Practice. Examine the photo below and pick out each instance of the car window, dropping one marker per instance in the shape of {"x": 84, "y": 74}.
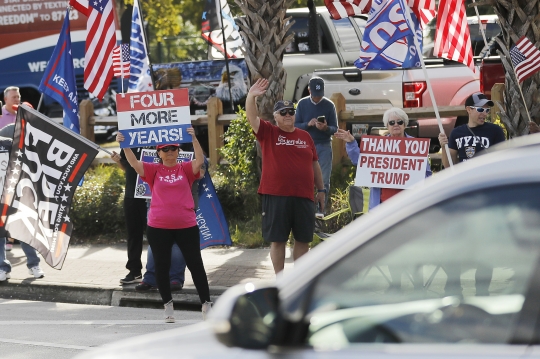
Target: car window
{"x": 300, "y": 43}
{"x": 456, "y": 272}
{"x": 361, "y": 23}
{"x": 347, "y": 35}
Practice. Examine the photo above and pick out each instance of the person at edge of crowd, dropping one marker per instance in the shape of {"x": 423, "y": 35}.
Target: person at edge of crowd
{"x": 533, "y": 127}
{"x": 32, "y": 259}
{"x": 290, "y": 170}
{"x": 178, "y": 264}
{"x": 465, "y": 142}
{"x": 135, "y": 217}
{"x": 395, "y": 120}
{"x": 476, "y": 135}
{"x": 171, "y": 218}
{"x": 308, "y": 110}
{"x": 12, "y": 98}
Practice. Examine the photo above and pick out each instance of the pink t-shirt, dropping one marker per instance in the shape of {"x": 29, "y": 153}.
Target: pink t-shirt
{"x": 6, "y": 118}
{"x": 172, "y": 202}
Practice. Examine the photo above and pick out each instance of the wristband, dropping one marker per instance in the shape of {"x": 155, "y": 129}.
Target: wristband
{"x": 321, "y": 190}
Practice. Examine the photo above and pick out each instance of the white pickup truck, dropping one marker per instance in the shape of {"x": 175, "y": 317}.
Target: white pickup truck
{"x": 381, "y": 89}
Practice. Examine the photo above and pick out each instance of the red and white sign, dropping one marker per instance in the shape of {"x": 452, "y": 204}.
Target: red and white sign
{"x": 153, "y": 117}
{"x": 391, "y": 162}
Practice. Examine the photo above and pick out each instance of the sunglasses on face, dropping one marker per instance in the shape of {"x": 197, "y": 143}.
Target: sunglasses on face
{"x": 284, "y": 112}
{"x": 481, "y": 109}
{"x": 169, "y": 148}
{"x": 393, "y": 122}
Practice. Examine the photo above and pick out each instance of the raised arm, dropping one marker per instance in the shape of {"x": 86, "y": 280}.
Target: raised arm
{"x": 199, "y": 154}
{"x": 258, "y": 89}
{"x": 130, "y": 156}
{"x": 353, "y": 151}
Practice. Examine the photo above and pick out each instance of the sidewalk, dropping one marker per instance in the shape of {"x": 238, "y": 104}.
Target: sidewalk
{"x": 91, "y": 275}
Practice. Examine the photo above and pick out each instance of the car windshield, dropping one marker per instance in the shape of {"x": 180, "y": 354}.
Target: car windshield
{"x": 457, "y": 272}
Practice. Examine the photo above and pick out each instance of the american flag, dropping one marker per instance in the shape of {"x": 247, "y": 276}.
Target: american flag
{"x": 81, "y": 6}
{"x": 120, "y": 59}
{"x": 452, "y": 36}
{"x": 423, "y": 9}
{"x": 345, "y": 8}
{"x": 100, "y": 41}
{"x": 525, "y": 59}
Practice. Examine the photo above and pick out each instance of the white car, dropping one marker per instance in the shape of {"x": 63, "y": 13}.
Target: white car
{"x": 449, "y": 269}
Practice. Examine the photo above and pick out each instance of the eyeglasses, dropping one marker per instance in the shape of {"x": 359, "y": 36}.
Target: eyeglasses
{"x": 393, "y": 122}
{"x": 169, "y": 148}
{"x": 481, "y": 109}
{"x": 284, "y": 112}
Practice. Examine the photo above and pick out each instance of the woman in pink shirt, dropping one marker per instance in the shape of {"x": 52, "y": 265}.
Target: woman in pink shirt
{"x": 172, "y": 217}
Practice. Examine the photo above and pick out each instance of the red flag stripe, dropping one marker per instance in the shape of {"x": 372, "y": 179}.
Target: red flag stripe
{"x": 100, "y": 41}
{"x": 452, "y": 37}
{"x": 344, "y": 8}
{"x": 531, "y": 64}
{"x": 77, "y": 167}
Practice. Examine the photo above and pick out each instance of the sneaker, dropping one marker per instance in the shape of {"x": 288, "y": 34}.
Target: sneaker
{"x": 169, "y": 312}
{"x": 36, "y": 272}
{"x": 131, "y": 278}
{"x": 206, "y": 309}
{"x": 4, "y": 275}
{"x": 144, "y": 287}
{"x": 176, "y": 286}
{"x": 9, "y": 247}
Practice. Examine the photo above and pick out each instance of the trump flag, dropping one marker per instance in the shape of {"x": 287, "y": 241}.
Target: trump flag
{"x": 58, "y": 80}
{"x": 46, "y": 163}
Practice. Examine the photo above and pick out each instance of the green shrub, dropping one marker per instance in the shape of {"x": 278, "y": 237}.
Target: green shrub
{"x": 236, "y": 181}
{"x": 97, "y": 205}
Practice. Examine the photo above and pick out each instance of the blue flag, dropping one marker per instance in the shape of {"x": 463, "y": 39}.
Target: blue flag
{"x": 388, "y": 38}
{"x": 59, "y": 78}
{"x": 213, "y": 226}
{"x": 140, "y": 79}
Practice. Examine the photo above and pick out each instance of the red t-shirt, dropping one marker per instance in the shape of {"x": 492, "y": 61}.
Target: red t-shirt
{"x": 387, "y": 193}
{"x": 172, "y": 202}
{"x": 287, "y": 161}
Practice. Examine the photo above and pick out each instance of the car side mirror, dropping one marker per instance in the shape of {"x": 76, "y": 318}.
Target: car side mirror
{"x": 246, "y": 317}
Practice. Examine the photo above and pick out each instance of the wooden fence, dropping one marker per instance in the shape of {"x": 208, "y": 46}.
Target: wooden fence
{"x": 216, "y": 121}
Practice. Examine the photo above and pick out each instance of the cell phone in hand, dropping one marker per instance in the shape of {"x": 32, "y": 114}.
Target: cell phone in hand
{"x": 321, "y": 119}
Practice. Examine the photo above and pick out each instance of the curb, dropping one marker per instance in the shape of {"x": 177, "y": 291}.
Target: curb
{"x": 95, "y": 295}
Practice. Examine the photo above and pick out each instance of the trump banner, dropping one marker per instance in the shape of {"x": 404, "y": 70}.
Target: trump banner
{"x": 154, "y": 117}
{"x": 390, "y": 162}
{"x": 45, "y": 164}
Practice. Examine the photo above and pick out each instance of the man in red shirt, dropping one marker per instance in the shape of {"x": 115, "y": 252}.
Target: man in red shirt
{"x": 290, "y": 170}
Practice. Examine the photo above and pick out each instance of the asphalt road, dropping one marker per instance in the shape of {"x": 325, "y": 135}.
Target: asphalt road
{"x": 30, "y": 329}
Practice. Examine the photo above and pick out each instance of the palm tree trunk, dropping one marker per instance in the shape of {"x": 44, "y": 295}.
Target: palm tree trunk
{"x": 264, "y": 31}
{"x": 518, "y": 18}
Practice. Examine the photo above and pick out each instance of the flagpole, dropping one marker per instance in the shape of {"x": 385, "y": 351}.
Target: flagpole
{"x": 480, "y": 24}
{"x": 143, "y": 34}
{"x": 428, "y": 82}
{"x": 226, "y": 57}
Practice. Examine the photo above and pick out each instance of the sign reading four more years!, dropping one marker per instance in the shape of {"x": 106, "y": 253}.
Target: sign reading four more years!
{"x": 392, "y": 162}
{"x": 154, "y": 117}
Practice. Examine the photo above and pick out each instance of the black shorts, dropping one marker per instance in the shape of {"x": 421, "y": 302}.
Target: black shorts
{"x": 282, "y": 214}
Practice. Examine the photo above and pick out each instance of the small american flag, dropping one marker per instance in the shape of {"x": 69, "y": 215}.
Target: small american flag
{"x": 120, "y": 57}
{"x": 525, "y": 59}
{"x": 452, "y": 37}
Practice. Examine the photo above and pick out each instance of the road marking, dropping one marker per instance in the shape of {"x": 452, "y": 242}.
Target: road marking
{"x": 42, "y": 344}
{"x": 95, "y": 322}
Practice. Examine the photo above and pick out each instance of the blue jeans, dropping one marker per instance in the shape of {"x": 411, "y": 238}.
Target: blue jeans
{"x": 32, "y": 259}
{"x": 176, "y": 273}
{"x": 324, "y": 152}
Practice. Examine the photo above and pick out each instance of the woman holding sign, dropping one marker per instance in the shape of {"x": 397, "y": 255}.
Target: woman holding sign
{"x": 395, "y": 120}
{"x": 171, "y": 218}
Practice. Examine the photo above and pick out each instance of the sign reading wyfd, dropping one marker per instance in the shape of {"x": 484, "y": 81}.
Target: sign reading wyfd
{"x": 391, "y": 162}
{"x": 154, "y": 117}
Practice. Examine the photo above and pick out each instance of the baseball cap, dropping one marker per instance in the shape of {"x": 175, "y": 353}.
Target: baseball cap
{"x": 316, "y": 86}
{"x": 280, "y": 105}
{"x": 478, "y": 99}
{"x": 159, "y": 147}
